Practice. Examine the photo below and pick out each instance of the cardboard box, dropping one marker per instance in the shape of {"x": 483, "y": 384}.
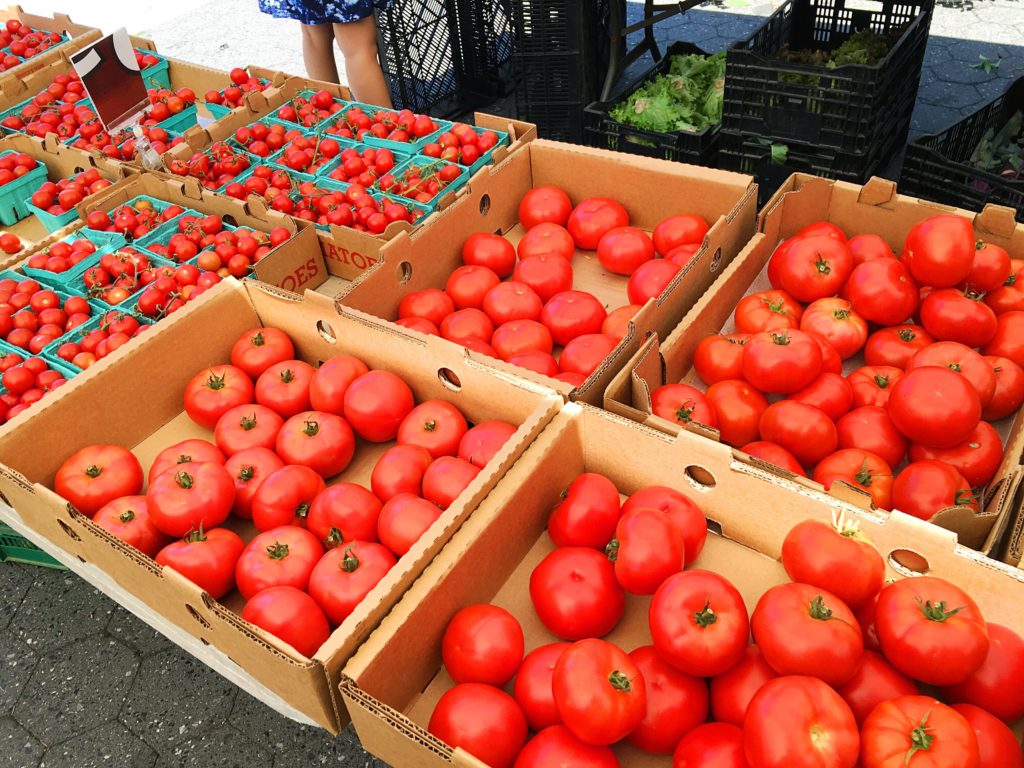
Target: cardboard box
{"x": 80, "y": 36}
{"x": 651, "y": 190}
{"x": 294, "y": 265}
{"x": 160, "y": 364}
{"x": 392, "y": 684}
{"x": 875, "y": 207}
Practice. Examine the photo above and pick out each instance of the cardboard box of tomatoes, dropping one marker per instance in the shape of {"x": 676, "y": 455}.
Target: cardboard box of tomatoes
{"x": 423, "y": 266}
{"x": 75, "y": 37}
{"x": 520, "y": 550}
{"x": 979, "y": 511}
{"x": 295, "y": 265}
{"x": 210, "y": 621}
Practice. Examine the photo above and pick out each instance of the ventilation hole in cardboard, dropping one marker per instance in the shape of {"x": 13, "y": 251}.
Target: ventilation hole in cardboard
{"x": 5, "y": 500}
{"x": 229, "y": 219}
{"x": 448, "y": 379}
{"x": 204, "y": 641}
{"x": 716, "y": 260}
{"x": 80, "y": 558}
{"x": 908, "y": 563}
{"x": 326, "y": 332}
{"x": 485, "y": 205}
{"x": 69, "y": 531}
{"x": 714, "y": 527}
{"x": 700, "y": 477}
{"x": 197, "y": 616}
{"x": 403, "y": 274}
{"x": 78, "y": 169}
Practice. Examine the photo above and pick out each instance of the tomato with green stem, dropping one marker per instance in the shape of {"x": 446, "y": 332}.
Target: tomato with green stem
{"x": 285, "y": 496}
{"x": 322, "y": 441}
{"x": 772, "y": 310}
{"x": 344, "y": 512}
{"x": 924, "y": 487}
{"x": 587, "y": 514}
{"x": 720, "y": 357}
{"x": 960, "y": 359}
{"x": 990, "y": 269}
{"x": 683, "y": 404}
{"x": 781, "y": 362}
{"x": 193, "y": 450}
{"x": 247, "y": 426}
{"x": 436, "y": 425}
{"x": 896, "y": 345}
{"x": 207, "y": 558}
{"x": 185, "y": 497}
{"x": 836, "y": 321}
{"x": 96, "y": 475}
{"x": 216, "y": 390}
{"x": 345, "y": 575}
{"x": 282, "y": 556}
{"x": 950, "y": 314}
{"x": 872, "y": 384}
{"x": 1008, "y": 296}
{"x": 259, "y": 348}
{"x": 815, "y": 267}
{"x": 128, "y": 519}
{"x": 284, "y": 387}
{"x": 917, "y": 731}
{"x": 248, "y": 469}
{"x": 648, "y": 547}
{"x": 837, "y": 558}
{"x": 860, "y": 469}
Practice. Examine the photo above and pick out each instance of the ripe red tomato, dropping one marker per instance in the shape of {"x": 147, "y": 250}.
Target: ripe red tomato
{"x": 599, "y": 691}
{"x": 774, "y": 454}
{"x": 343, "y": 512}
{"x": 997, "y": 744}
{"x": 686, "y": 514}
{"x": 400, "y": 470}
{"x": 650, "y": 280}
{"x": 872, "y": 384}
{"x": 588, "y": 513}
{"x": 780, "y": 362}
{"x": 467, "y": 286}
{"x": 248, "y": 470}
{"x": 647, "y": 548}
{"x": 290, "y": 615}
{"x": 867, "y": 247}
{"x": 481, "y": 443}
{"x": 284, "y": 387}
{"x": 835, "y": 321}
{"x": 532, "y": 688}
{"x": 403, "y": 520}
{"x": 247, "y": 426}
{"x": 446, "y": 478}
{"x": 940, "y": 250}
{"x": 483, "y": 249}
{"x": 435, "y": 425}
{"x": 556, "y": 746}
{"x": 214, "y": 391}
{"x": 874, "y": 681}
{"x": 919, "y": 406}
{"x": 699, "y": 623}
{"x": 331, "y": 381}
{"x": 584, "y": 354}
{"x": 830, "y": 392}
{"x": 990, "y": 269}
{"x": 547, "y": 275}
{"x": 682, "y": 229}
{"x": 683, "y": 404}
{"x": 860, "y": 469}
{"x": 482, "y": 644}
{"x": 882, "y": 291}
{"x": 431, "y": 304}
{"x": 950, "y": 314}
{"x": 1009, "y": 392}
{"x": 799, "y": 722}
{"x": 593, "y": 218}
{"x": 843, "y": 562}
{"x": 259, "y": 348}
{"x": 284, "y": 497}
{"x": 894, "y": 346}
{"x": 1009, "y": 296}
{"x": 623, "y": 249}
{"x": 345, "y": 575}
{"x": 546, "y": 239}
{"x": 510, "y": 301}
{"x": 128, "y": 519}
{"x": 282, "y": 556}
{"x": 920, "y": 730}
{"x": 190, "y": 496}
{"x": 321, "y": 441}
{"x": 976, "y": 459}
{"x": 814, "y": 267}
{"x": 767, "y": 311}
{"x": 927, "y": 486}
{"x": 1008, "y": 340}
{"x": 376, "y": 404}
{"x": 207, "y": 558}
{"x": 575, "y": 593}
{"x": 720, "y": 357}
{"x": 715, "y": 745}
{"x": 543, "y": 204}
{"x": 931, "y": 630}
{"x": 572, "y": 313}
{"x": 676, "y": 703}
{"x": 482, "y": 720}
{"x": 803, "y": 430}
{"x": 739, "y": 406}
{"x": 94, "y": 476}
{"x": 961, "y": 359}
{"x": 992, "y": 685}
{"x": 732, "y": 690}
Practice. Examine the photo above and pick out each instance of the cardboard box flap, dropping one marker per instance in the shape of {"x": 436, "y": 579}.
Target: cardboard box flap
{"x": 997, "y": 220}
{"x": 877, "y": 191}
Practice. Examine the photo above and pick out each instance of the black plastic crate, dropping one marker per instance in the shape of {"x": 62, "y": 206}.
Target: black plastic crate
{"x": 488, "y": 42}
{"x": 849, "y": 108}
{"x": 936, "y": 166}
{"x": 601, "y": 130}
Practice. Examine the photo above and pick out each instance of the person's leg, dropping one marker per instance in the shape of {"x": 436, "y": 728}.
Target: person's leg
{"x": 358, "y": 43}
{"x": 318, "y": 52}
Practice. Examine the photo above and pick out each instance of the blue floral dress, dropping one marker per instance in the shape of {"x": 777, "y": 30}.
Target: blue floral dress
{"x": 321, "y": 11}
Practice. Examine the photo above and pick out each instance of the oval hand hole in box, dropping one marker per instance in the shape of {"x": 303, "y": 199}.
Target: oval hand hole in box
{"x": 197, "y": 616}
{"x": 449, "y": 380}
{"x": 326, "y": 332}
{"x": 908, "y": 562}
{"x": 485, "y": 205}
{"x": 700, "y": 477}
{"x": 403, "y": 273}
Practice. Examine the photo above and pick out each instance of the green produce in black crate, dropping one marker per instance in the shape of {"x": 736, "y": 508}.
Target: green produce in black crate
{"x": 1002, "y": 151}
{"x": 866, "y": 47}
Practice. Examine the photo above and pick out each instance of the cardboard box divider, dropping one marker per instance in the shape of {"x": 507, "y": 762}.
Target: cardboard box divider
{"x": 392, "y": 684}
{"x": 169, "y": 356}
{"x": 650, "y": 189}
{"x": 80, "y": 36}
{"x": 877, "y": 208}
{"x": 294, "y": 265}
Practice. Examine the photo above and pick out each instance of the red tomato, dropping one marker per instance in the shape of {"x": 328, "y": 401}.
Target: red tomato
{"x": 882, "y": 291}
{"x": 683, "y": 404}
{"x": 467, "y": 286}
{"x": 446, "y": 478}
{"x": 682, "y": 229}
{"x": 430, "y": 304}
{"x": 532, "y": 689}
{"x": 588, "y": 513}
{"x": 699, "y": 623}
{"x": 556, "y": 746}
{"x": 739, "y": 407}
{"x": 917, "y": 730}
{"x": 842, "y": 561}
{"x": 940, "y": 250}
{"x": 593, "y": 218}
{"x": 189, "y": 497}
{"x": 950, "y": 314}
{"x": 207, "y": 558}
{"x": 247, "y": 426}
{"x": 872, "y": 385}
{"x": 481, "y": 443}
{"x": 732, "y": 690}
{"x": 874, "y": 681}
{"x": 683, "y": 511}
{"x": 1008, "y": 340}
{"x": 599, "y": 691}
{"x": 376, "y": 403}
{"x": 259, "y": 348}
{"x": 835, "y": 321}
{"x": 815, "y": 267}
{"x": 894, "y": 346}
{"x": 347, "y": 574}
{"x": 623, "y": 249}
{"x": 780, "y": 362}
{"x": 803, "y": 430}
{"x": 214, "y": 391}
{"x": 648, "y": 547}
{"x": 926, "y": 487}
{"x": 799, "y": 722}
{"x": 343, "y": 512}
{"x": 403, "y": 520}
{"x": 976, "y": 459}
{"x": 575, "y": 594}
{"x": 483, "y": 249}
{"x": 585, "y": 354}
{"x": 482, "y": 644}
{"x": 830, "y": 360}
{"x": 867, "y": 247}
{"x": 435, "y": 425}
{"x": 94, "y": 476}
{"x": 990, "y": 269}
{"x": 290, "y": 615}
{"x": 510, "y": 301}
{"x": 993, "y": 684}
{"x": 482, "y": 720}
{"x": 919, "y": 406}
{"x": 717, "y": 358}
{"x": 650, "y": 280}
{"x": 546, "y": 239}
{"x": 400, "y": 470}
{"x": 676, "y": 703}
{"x": 467, "y": 325}
{"x": 617, "y": 323}
{"x": 931, "y": 630}
{"x": 1009, "y": 392}
{"x": 767, "y": 311}
{"x": 248, "y": 470}
{"x": 331, "y": 381}
{"x": 321, "y": 441}
{"x": 198, "y": 451}
{"x": 520, "y": 337}
{"x": 1009, "y": 296}
{"x": 830, "y": 392}
{"x": 284, "y": 497}
{"x": 997, "y": 744}
{"x": 282, "y": 556}
{"x": 284, "y": 387}
{"x": 961, "y": 359}
{"x": 774, "y": 454}
{"x": 859, "y": 469}
{"x": 712, "y": 745}
{"x": 572, "y": 313}
{"x": 128, "y": 519}
{"x": 542, "y": 204}
{"x": 546, "y": 275}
